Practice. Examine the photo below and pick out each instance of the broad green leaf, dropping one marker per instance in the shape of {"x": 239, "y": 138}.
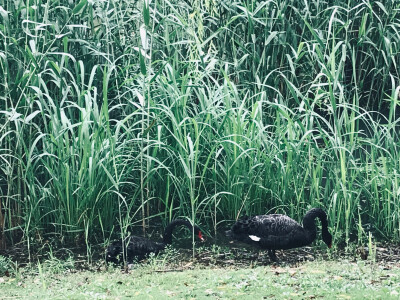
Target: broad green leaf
{"x": 79, "y": 6}
{"x": 146, "y": 12}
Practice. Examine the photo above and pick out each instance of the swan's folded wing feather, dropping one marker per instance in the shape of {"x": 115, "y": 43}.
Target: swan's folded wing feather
{"x": 275, "y": 225}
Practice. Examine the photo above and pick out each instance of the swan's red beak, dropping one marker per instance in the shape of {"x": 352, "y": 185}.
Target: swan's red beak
{"x": 330, "y": 246}
{"x": 200, "y": 235}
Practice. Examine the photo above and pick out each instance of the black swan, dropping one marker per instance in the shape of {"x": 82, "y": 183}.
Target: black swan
{"x": 137, "y": 248}
{"x": 277, "y": 231}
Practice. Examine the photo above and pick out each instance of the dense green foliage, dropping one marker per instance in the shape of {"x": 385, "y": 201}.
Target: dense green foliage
{"x": 116, "y": 112}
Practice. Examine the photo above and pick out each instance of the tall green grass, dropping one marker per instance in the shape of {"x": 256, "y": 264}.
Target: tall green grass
{"x": 121, "y": 114}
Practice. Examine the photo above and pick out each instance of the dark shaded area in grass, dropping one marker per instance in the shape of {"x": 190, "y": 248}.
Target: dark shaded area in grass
{"x": 218, "y": 252}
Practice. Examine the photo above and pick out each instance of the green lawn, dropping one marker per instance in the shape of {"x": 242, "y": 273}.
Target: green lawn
{"x": 310, "y": 280}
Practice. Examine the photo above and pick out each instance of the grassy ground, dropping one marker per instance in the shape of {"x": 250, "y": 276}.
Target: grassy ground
{"x": 340, "y": 279}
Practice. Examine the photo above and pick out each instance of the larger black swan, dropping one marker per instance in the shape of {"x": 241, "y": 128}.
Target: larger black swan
{"x": 137, "y": 248}
{"x": 275, "y": 231}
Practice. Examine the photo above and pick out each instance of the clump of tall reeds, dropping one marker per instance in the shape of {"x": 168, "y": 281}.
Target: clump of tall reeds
{"x": 115, "y": 113}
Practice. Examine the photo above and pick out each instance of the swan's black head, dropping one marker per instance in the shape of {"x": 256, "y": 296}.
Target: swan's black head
{"x": 114, "y": 252}
{"x": 327, "y": 238}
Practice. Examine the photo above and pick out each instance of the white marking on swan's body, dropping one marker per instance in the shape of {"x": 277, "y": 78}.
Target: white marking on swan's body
{"x": 255, "y": 238}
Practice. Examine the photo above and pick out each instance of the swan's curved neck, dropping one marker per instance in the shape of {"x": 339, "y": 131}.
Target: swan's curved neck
{"x": 167, "y": 238}
{"x": 309, "y": 221}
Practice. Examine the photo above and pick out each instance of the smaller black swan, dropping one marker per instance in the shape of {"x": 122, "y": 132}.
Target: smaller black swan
{"x": 277, "y": 231}
{"x": 137, "y": 248}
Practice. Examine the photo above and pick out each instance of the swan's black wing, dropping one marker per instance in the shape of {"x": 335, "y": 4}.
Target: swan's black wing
{"x": 141, "y": 247}
{"x": 266, "y": 225}
{"x": 275, "y": 224}
{"x": 136, "y": 248}
{"x": 273, "y": 231}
